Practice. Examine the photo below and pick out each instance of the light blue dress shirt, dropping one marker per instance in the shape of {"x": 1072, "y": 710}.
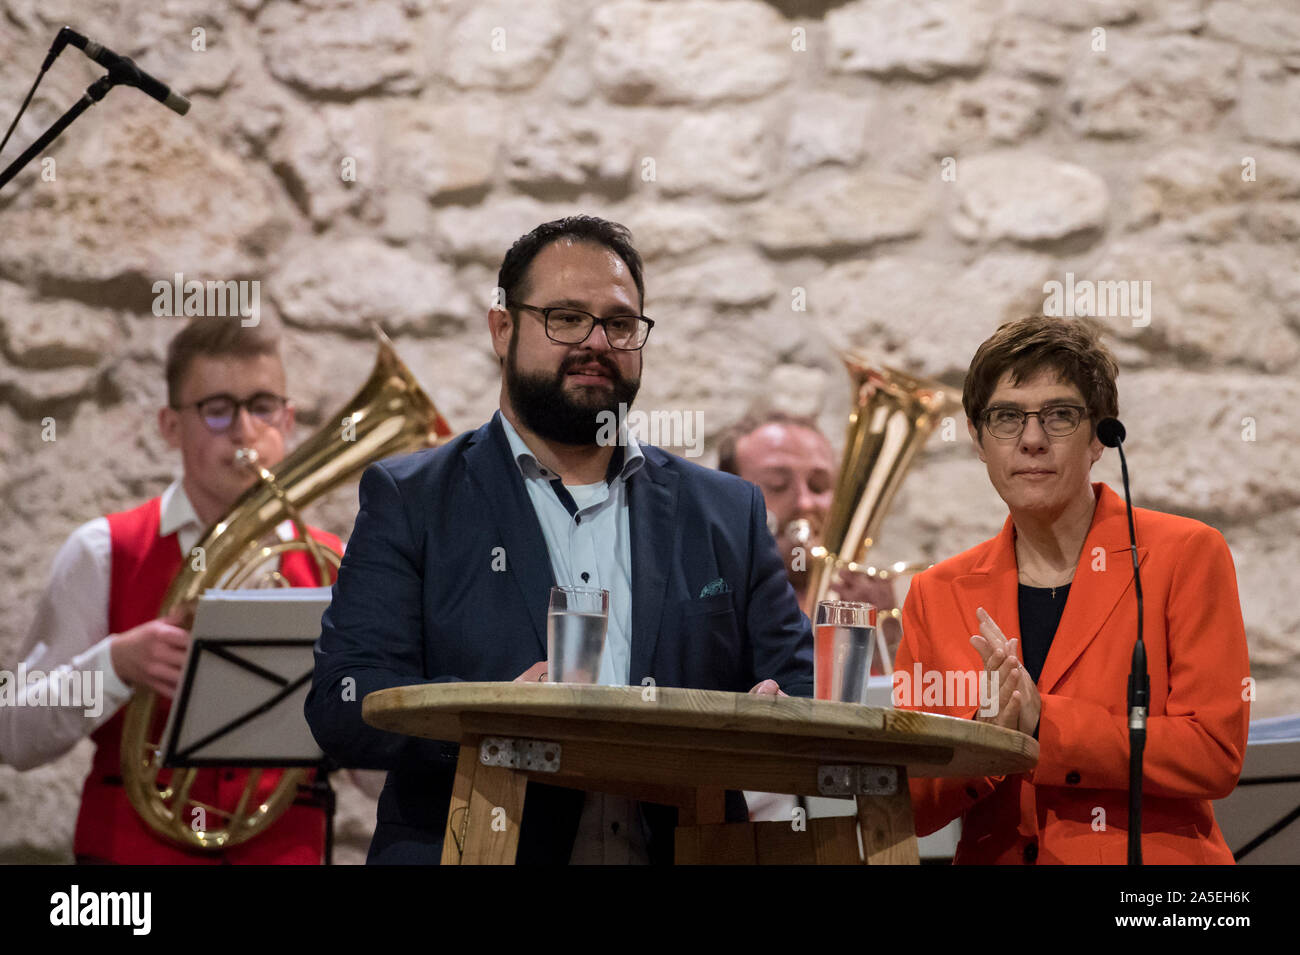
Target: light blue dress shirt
{"x": 589, "y": 540}
{"x": 588, "y": 537}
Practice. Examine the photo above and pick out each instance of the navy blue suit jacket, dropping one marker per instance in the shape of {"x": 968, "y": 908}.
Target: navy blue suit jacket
{"x": 418, "y": 601}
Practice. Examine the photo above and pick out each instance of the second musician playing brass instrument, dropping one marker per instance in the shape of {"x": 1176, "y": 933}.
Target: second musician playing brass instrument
{"x": 389, "y": 414}
{"x": 793, "y": 464}
{"x": 892, "y": 415}
{"x": 99, "y": 614}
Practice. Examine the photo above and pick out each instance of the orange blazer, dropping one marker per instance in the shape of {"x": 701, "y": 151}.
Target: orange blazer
{"x": 1073, "y": 807}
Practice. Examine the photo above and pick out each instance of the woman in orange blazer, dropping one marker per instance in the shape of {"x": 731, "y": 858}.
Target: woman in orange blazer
{"x": 1049, "y": 606}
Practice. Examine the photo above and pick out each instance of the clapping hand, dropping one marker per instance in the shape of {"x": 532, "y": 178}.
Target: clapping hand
{"x": 1018, "y": 705}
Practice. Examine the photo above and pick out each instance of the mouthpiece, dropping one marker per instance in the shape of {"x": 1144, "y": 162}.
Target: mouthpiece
{"x": 800, "y": 531}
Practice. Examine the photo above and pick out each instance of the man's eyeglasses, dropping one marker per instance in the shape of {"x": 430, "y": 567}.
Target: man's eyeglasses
{"x": 572, "y": 326}
{"x": 1058, "y": 420}
{"x": 218, "y": 412}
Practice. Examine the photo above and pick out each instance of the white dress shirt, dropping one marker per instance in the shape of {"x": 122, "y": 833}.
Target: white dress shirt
{"x": 70, "y": 633}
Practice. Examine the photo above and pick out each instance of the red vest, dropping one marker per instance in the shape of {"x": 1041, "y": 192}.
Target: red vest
{"x": 108, "y": 828}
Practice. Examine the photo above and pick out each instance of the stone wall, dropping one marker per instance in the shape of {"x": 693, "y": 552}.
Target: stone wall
{"x": 895, "y": 174}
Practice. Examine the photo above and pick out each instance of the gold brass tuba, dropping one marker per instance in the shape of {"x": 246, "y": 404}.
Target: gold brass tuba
{"x": 389, "y": 415}
{"x": 893, "y": 415}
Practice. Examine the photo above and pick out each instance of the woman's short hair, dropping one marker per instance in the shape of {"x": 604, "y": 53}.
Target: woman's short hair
{"x": 1070, "y": 347}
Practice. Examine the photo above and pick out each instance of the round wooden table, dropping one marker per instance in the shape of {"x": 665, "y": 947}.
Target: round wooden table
{"x": 684, "y": 748}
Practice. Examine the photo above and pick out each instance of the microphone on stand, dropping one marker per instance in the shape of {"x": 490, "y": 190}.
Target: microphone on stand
{"x": 123, "y": 67}
{"x": 122, "y": 71}
{"x": 1111, "y": 433}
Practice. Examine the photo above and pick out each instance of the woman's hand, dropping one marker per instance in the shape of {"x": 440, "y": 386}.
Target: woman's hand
{"x": 1017, "y": 705}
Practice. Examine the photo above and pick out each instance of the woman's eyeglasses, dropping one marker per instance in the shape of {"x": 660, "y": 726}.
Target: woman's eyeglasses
{"x": 1058, "y": 420}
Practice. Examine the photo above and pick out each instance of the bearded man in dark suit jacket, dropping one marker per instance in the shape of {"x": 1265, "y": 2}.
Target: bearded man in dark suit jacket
{"x": 448, "y": 571}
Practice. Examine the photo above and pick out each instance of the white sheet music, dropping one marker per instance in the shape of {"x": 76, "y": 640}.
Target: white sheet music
{"x": 276, "y": 628}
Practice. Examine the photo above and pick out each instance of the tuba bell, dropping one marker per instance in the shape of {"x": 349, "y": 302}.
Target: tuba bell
{"x": 893, "y": 415}
{"x": 391, "y": 414}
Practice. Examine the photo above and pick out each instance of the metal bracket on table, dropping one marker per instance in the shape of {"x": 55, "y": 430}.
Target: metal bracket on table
{"x": 536, "y": 755}
{"x": 857, "y": 780}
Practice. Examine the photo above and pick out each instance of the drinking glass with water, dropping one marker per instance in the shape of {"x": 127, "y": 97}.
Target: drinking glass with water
{"x": 844, "y": 640}
{"x": 575, "y": 634}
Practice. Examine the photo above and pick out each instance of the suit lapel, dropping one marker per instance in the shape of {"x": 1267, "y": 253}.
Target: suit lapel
{"x": 1104, "y": 575}
{"x": 506, "y": 504}
{"x": 994, "y": 585}
{"x": 1098, "y": 585}
{"x": 652, "y": 507}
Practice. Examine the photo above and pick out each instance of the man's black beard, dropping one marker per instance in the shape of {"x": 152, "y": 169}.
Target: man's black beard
{"x": 548, "y": 411}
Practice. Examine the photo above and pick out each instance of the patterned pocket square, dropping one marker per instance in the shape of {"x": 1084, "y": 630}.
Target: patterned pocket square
{"x": 718, "y": 586}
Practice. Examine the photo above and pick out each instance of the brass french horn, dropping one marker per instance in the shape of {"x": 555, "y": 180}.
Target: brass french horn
{"x": 391, "y": 414}
{"x": 893, "y": 415}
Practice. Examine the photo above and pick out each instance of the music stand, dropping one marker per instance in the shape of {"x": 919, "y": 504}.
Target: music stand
{"x": 1259, "y": 819}
{"x": 244, "y": 685}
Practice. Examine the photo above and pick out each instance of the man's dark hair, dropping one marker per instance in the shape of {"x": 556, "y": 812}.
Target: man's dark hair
{"x": 216, "y": 336}
{"x": 748, "y": 425}
{"x": 1070, "y": 347}
{"x": 611, "y": 235}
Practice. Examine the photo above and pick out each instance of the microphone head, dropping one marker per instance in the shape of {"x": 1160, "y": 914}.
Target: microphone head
{"x": 176, "y": 102}
{"x": 1110, "y": 432}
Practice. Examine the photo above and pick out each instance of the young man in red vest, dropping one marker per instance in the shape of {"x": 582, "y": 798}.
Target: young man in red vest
{"x": 100, "y": 612}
